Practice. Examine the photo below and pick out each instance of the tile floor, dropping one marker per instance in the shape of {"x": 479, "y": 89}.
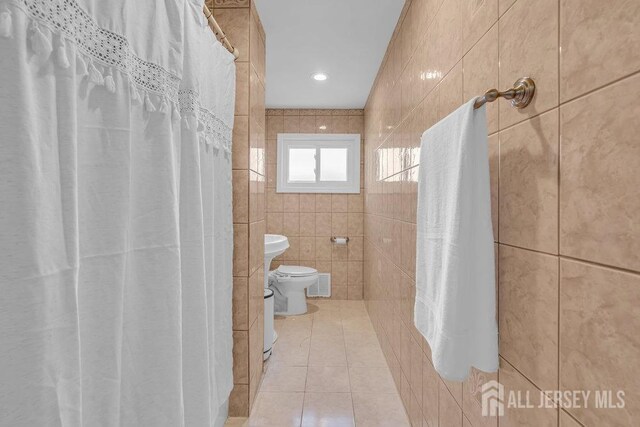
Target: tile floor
{"x": 327, "y": 370}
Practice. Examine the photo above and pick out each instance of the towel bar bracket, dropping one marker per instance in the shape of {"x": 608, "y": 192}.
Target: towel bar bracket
{"x": 520, "y": 94}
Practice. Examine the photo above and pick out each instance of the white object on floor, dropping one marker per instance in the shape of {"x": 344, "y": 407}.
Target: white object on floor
{"x": 292, "y": 281}
{"x": 455, "y": 273}
{"x": 268, "y": 324}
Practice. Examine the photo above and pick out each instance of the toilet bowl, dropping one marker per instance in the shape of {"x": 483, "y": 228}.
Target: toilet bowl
{"x": 292, "y": 281}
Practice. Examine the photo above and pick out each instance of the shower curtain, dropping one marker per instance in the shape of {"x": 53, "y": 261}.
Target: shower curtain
{"x": 115, "y": 214}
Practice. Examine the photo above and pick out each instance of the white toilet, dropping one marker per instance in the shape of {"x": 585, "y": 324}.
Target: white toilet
{"x": 293, "y": 280}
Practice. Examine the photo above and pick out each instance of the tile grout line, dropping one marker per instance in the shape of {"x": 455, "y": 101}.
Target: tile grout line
{"x": 498, "y": 285}
{"x": 559, "y": 198}
{"x": 344, "y": 341}
{"x": 574, "y": 259}
{"x": 304, "y": 393}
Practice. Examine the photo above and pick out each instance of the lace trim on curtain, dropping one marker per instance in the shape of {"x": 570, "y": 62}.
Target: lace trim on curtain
{"x": 67, "y": 18}
{"x": 112, "y": 51}
{"x": 220, "y": 133}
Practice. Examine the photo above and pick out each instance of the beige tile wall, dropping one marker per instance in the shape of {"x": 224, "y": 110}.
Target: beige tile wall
{"x": 565, "y": 180}
{"x": 239, "y": 19}
{"x": 309, "y": 220}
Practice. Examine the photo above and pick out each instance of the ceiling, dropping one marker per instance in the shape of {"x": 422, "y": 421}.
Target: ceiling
{"x": 345, "y": 39}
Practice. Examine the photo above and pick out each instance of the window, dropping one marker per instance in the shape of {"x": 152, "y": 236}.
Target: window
{"x": 318, "y": 163}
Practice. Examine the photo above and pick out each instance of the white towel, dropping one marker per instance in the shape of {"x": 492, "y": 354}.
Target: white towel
{"x": 455, "y": 306}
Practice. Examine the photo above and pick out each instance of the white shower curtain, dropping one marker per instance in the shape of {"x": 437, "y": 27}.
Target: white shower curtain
{"x": 115, "y": 214}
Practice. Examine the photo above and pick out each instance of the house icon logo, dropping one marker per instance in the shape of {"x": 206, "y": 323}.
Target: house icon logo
{"x": 492, "y": 399}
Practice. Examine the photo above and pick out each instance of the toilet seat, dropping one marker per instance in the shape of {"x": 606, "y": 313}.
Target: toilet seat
{"x": 295, "y": 271}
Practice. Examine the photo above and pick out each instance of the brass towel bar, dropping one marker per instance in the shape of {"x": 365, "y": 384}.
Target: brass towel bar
{"x": 520, "y": 94}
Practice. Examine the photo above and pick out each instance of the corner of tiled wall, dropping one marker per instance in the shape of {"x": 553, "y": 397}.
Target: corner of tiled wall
{"x": 309, "y": 220}
{"x": 240, "y": 21}
{"x": 565, "y": 204}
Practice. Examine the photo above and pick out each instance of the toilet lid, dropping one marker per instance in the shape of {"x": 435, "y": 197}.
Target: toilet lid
{"x": 296, "y": 270}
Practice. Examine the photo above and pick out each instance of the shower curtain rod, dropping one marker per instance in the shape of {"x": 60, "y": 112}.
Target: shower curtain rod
{"x": 213, "y": 24}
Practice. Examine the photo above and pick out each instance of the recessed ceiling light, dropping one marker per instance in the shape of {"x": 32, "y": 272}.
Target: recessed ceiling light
{"x": 320, "y": 77}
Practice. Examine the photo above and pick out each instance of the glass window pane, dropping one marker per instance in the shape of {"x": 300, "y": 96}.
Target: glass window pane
{"x": 302, "y": 165}
{"x": 333, "y": 164}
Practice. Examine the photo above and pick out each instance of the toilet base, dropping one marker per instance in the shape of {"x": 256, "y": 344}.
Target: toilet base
{"x": 296, "y": 303}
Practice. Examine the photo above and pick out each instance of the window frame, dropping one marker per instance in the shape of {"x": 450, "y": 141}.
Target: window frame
{"x": 322, "y": 140}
